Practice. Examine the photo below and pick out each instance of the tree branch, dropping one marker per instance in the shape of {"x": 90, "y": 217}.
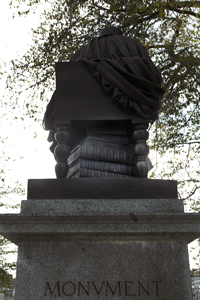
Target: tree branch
{"x": 189, "y": 180}
{"x": 99, "y": 7}
{"x": 187, "y": 12}
{"x": 181, "y": 4}
{"x": 176, "y": 144}
{"x": 176, "y": 6}
{"x": 151, "y": 17}
{"x": 191, "y": 194}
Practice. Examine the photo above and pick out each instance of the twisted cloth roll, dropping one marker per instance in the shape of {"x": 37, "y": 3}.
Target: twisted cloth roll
{"x": 126, "y": 72}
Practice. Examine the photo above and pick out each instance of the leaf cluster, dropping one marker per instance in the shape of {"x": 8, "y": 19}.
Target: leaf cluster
{"x": 6, "y": 280}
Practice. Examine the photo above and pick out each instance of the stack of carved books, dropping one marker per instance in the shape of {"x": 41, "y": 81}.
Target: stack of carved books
{"x": 94, "y": 157}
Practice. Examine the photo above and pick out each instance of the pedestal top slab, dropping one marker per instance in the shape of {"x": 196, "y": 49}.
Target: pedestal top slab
{"x": 102, "y": 188}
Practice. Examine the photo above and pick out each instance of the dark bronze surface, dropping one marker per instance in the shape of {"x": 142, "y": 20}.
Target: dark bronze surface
{"x": 102, "y": 188}
{"x": 79, "y": 96}
{"x": 108, "y": 84}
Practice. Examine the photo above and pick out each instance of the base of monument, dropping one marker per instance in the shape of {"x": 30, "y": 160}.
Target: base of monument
{"x": 103, "y": 270}
{"x": 91, "y": 248}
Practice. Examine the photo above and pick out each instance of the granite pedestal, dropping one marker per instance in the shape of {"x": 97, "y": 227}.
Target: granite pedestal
{"x": 90, "y": 248}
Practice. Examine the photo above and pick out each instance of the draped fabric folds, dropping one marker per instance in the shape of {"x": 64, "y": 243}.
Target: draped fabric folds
{"x": 124, "y": 69}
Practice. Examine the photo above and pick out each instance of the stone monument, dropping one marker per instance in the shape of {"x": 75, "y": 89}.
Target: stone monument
{"x": 105, "y": 231}
{"x": 104, "y": 100}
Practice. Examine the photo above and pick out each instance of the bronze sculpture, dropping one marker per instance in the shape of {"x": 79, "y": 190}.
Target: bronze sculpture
{"x": 131, "y": 86}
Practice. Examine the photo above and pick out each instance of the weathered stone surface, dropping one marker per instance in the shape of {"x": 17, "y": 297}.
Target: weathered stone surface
{"x": 113, "y": 270}
{"x": 184, "y": 227}
{"x": 102, "y": 248}
{"x": 103, "y": 207}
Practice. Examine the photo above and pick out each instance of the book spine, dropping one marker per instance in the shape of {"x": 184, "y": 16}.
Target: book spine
{"x": 107, "y": 167}
{"x": 106, "y": 154}
{"x": 113, "y": 138}
{"x": 96, "y": 173}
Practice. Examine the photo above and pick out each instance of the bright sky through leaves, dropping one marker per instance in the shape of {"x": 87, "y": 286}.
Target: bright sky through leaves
{"x": 32, "y": 158}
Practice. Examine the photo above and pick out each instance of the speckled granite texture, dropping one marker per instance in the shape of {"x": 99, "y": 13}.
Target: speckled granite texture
{"x": 103, "y": 270}
{"x": 102, "y": 249}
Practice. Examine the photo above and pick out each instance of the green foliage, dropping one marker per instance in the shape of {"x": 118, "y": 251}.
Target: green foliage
{"x": 6, "y": 279}
{"x": 9, "y": 187}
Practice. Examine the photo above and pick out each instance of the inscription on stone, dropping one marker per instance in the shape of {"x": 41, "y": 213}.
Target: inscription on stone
{"x": 104, "y": 288}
